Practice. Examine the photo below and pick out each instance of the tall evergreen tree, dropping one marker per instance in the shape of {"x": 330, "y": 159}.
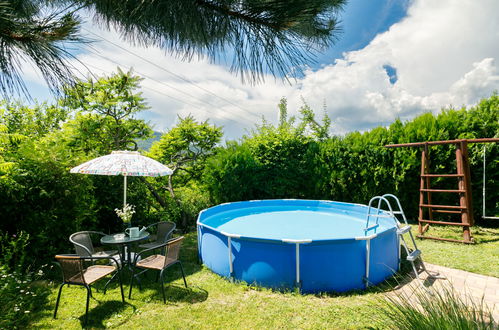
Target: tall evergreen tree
{"x": 31, "y": 33}
{"x": 258, "y": 36}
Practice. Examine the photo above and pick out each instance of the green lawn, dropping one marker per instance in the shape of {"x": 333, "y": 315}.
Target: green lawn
{"x": 480, "y": 258}
{"x": 213, "y": 302}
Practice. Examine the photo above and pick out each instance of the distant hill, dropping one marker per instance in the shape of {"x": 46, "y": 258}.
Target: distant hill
{"x": 146, "y": 144}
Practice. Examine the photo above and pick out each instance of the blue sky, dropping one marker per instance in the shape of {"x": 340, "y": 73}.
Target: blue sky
{"x": 394, "y": 59}
{"x": 361, "y": 21}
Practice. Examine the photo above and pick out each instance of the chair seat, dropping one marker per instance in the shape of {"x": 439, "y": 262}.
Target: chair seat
{"x": 94, "y": 273}
{"x": 150, "y": 245}
{"x": 105, "y": 253}
{"x": 156, "y": 261}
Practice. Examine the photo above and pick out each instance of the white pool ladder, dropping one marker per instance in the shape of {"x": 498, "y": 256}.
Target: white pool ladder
{"x": 402, "y": 229}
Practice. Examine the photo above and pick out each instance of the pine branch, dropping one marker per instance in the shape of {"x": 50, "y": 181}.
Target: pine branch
{"x": 27, "y": 35}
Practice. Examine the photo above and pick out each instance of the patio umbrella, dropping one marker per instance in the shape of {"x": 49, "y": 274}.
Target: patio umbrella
{"x": 126, "y": 163}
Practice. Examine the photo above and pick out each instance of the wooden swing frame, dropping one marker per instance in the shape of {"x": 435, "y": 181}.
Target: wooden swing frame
{"x": 465, "y": 207}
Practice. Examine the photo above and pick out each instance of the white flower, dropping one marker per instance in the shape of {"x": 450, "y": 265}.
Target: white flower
{"x": 126, "y": 213}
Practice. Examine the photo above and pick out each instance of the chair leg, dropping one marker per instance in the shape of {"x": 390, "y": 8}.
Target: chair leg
{"x": 109, "y": 282}
{"x": 162, "y": 286}
{"x": 121, "y": 287}
{"x": 58, "y": 299}
{"x": 131, "y": 284}
{"x": 183, "y": 275}
{"x": 89, "y": 293}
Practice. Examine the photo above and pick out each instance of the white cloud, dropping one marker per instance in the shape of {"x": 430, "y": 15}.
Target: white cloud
{"x": 445, "y": 53}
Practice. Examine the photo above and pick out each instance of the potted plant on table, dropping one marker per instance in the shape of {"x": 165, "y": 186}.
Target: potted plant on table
{"x": 126, "y": 214}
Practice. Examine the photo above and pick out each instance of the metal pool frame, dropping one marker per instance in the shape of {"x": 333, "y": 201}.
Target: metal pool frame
{"x": 367, "y": 278}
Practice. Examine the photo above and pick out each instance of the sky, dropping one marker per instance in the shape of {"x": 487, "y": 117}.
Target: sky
{"x": 394, "y": 59}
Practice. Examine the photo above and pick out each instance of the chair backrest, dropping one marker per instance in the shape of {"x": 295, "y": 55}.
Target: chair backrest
{"x": 82, "y": 243}
{"x": 164, "y": 231}
{"x": 72, "y": 268}
{"x": 173, "y": 249}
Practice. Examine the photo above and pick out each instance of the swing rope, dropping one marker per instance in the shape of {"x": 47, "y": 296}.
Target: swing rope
{"x": 484, "y": 216}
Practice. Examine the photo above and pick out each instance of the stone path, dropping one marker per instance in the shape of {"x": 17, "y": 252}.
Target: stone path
{"x": 466, "y": 283}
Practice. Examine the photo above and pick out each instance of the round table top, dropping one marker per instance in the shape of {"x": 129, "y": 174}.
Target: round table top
{"x": 122, "y": 238}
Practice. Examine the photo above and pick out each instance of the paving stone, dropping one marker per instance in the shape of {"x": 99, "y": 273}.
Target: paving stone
{"x": 467, "y": 284}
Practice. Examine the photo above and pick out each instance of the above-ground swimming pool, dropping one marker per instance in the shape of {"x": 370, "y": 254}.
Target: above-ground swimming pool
{"x": 317, "y": 246}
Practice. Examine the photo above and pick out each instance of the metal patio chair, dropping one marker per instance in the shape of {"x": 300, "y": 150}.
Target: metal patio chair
{"x": 74, "y": 272}
{"x": 168, "y": 256}
{"x": 84, "y": 247}
{"x": 164, "y": 231}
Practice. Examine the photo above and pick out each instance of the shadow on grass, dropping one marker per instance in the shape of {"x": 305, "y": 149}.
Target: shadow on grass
{"x": 97, "y": 316}
{"x": 174, "y": 293}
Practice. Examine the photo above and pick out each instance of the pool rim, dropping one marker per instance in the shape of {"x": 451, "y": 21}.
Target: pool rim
{"x": 384, "y": 215}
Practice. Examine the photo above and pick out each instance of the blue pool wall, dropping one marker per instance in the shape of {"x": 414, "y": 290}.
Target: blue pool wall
{"x": 326, "y": 265}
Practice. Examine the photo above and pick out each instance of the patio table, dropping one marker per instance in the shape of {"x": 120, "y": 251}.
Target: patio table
{"x": 123, "y": 242}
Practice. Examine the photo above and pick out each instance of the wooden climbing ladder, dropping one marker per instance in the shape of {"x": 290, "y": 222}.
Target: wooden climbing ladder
{"x": 427, "y": 209}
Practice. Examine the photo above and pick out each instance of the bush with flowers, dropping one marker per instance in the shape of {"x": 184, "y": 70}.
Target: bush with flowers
{"x": 21, "y": 292}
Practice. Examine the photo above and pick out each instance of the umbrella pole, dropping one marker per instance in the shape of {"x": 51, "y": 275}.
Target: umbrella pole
{"x": 124, "y": 191}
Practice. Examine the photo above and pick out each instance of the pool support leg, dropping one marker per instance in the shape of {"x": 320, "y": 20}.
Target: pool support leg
{"x": 298, "y": 281}
{"x": 368, "y": 255}
{"x": 231, "y": 266}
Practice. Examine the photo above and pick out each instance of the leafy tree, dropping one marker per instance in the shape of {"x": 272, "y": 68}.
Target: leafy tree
{"x": 272, "y": 162}
{"x": 185, "y": 149}
{"x": 32, "y": 121}
{"x": 19, "y": 122}
{"x": 106, "y": 108}
{"x": 31, "y": 31}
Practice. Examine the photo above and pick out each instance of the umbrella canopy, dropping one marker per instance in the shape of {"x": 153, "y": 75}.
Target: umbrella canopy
{"x": 126, "y": 163}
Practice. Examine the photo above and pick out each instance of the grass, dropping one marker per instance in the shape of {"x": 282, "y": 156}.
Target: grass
{"x": 214, "y": 302}
{"x": 481, "y": 257}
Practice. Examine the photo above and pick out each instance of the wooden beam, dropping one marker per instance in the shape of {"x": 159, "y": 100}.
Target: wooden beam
{"x": 445, "y": 190}
{"x": 446, "y": 239}
{"x": 421, "y": 144}
{"x": 445, "y": 223}
{"x": 443, "y": 206}
{"x": 442, "y": 175}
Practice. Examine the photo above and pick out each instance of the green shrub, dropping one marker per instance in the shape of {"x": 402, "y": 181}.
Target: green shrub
{"x": 13, "y": 256}
{"x": 20, "y": 293}
{"x": 286, "y": 162}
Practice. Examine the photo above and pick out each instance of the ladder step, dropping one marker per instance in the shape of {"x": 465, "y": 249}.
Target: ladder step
{"x": 403, "y": 230}
{"x": 379, "y": 216}
{"x": 447, "y": 211}
{"x": 413, "y": 255}
{"x": 444, "y": 206}
{"x": 442, "y": 175}
{"x": 445, "y": 223}
{"x": 371, "y": 227}
{"x": 398, "y": 212}
{"x": 444, "y": 190}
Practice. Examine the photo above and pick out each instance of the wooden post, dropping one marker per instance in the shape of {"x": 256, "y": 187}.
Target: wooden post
{"x": 428, "y": 193}
{"x": 462, "y": 186}
{"x": 467, "y": 182}
{"x": 421, "y": 192}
